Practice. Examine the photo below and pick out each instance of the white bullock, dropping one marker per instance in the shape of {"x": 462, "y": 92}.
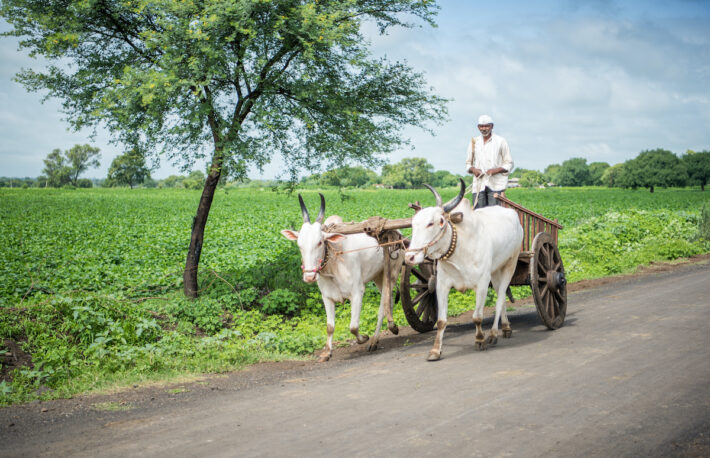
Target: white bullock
{"x": 479, "y": 249}
{"x": 342, "y": 265}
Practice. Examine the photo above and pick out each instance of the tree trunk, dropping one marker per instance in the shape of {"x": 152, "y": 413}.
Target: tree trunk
{"x": 198, "y": 226}
{"x": 702, "y": 186}
{"x": 651, "y": 189}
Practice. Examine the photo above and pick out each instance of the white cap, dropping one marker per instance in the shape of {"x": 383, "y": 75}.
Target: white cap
{"x": 485, "y": 119}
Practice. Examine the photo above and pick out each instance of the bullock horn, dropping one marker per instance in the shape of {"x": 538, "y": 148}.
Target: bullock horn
{"x": 321, "y": 212}
{"x": 436, "y": 194}
{"x": 450, "y": 205}
{"x": 304, "y": 210}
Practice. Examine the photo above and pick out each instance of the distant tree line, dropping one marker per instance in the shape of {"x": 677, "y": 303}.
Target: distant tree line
{"x": 411, "y": 172}
{"x": 651, "y": 169}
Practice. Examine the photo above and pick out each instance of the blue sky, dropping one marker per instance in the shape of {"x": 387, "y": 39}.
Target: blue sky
{"x": 602, "y": 80}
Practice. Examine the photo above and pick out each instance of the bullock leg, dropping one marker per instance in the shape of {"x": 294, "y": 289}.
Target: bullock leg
{"x": 386, "y": 292}
{"x": 330, "y": 320}
{"x": 501, "y": 280}
{"x": 380, "y": 316}
{"x": 442, "y": 297}
{"x": 355, "y": 308}
{"x": 481, "y": 293}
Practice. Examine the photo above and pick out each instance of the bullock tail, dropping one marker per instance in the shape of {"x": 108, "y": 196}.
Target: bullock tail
{"x": 396, "y": 295}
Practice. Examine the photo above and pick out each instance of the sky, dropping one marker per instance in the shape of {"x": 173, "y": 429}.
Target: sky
{"x": 603, "y": 80}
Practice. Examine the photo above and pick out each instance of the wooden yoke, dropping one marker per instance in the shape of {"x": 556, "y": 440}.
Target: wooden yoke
{"x": 373, "y": 225}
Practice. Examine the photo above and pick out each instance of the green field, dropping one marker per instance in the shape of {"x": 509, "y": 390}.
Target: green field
{"x": 92, "y": 278}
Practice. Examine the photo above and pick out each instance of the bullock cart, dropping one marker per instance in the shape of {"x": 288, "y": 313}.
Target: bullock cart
{"x": 539, "y": 266}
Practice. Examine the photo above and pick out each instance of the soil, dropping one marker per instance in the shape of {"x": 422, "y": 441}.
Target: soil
{"x": 13, "y": 358}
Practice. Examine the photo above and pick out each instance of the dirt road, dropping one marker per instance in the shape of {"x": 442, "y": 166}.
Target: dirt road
{"x": 628, "y": 375}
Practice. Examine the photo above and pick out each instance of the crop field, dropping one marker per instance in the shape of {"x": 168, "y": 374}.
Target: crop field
{"x": 91, "y": 279}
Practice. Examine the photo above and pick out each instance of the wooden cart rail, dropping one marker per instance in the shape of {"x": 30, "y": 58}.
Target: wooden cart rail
{"x": 533, "y": 223}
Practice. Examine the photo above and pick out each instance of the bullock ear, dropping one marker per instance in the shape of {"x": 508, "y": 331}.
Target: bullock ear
{"x": 456, "y": 217}
{"x": 290, "y": 234}
{"x": 441, "y": 222}
{"x": 334, "y": 238}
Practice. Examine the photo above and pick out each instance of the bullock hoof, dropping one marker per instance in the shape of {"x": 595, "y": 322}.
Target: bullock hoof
{"x": 324, "y": 357}
{"x": 479, "y": 345}
{"x": 434, "y": 356}
{"x": 362, "y": 338}
{"x": 507, "y": 333}
{"x": 373, "y": 345}
{"x": 393, "y": 328}
{"x": 491, "y": 340}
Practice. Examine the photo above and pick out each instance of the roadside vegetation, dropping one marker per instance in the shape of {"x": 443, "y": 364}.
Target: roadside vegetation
{"x": 91, "y": 292}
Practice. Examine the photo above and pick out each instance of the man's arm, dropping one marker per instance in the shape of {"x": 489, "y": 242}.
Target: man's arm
{"x": 505, "y": 160}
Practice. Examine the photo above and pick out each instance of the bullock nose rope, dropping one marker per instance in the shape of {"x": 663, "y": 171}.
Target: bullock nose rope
{"x": 452, "y": 244}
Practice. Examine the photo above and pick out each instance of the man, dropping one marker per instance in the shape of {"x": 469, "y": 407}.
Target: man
{"x": 490, "y": 163}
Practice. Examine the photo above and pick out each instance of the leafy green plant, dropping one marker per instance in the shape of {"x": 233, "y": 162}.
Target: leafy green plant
{"x": 280, "y": 302}
{"x": 704, "y": 223}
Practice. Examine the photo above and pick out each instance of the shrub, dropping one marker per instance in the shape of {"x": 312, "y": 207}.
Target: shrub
{"x": 280, "y": 302}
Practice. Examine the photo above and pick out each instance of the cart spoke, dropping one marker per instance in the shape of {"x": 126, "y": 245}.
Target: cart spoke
{"x": 549, "y": 252}
{"x": 419, "y": 297}
{"x": 419, "y": 275}
{"x": 558, "y": 297}
{"x": 422, "y": 307}
{"x": 541, "y": 268}
{"x": 419, "y": 286}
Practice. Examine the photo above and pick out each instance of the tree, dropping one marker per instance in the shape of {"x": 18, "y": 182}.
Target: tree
{"x": 128, "y": 169}
{"x": 573, "y": 172}
{"x": 64, "y": 168}
{"x": 56, "y": 169}
{"x": 551, "y": 172}
{"x": 238, "y": 80}
{"x": 410, "y": 172}
{"x": 596, "y": 170}
{"x": 195, "y": 180}
{"x": 698, "y": 165}
{"x": 518, "y": 172}
{"x": 443, "y": 179}
{"x": 653, "y": 168}
{"x": 348, "y": 177}
{"x": 79, "y": 159}
{"x": 610, "y": 176}
{"x": 531, "y": 179}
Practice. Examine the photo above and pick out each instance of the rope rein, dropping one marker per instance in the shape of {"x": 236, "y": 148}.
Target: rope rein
{"x": 396, "y": 242}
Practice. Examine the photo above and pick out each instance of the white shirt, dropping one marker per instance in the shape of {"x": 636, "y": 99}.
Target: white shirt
{"x": 490, "y": 155}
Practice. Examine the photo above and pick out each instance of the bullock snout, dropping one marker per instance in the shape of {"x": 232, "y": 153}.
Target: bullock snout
{"x": 413, "y": 258}
{"x": 310, "y": 277}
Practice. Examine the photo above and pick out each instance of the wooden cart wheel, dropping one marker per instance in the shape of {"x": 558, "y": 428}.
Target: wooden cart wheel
{"x": 548, "y": 281}
{"x": 418, "y": 294}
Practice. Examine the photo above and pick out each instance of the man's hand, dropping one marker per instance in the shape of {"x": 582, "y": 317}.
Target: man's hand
{"x": 476, "y": 172}
{"x": 496, "y": 170}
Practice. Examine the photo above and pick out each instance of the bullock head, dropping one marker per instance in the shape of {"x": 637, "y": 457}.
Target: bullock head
{"x": 429, "y": 225}
{"x": 311, "y": 241}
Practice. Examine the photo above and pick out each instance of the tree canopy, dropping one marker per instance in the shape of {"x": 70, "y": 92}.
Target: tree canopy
{"x": 64, "y": 168}
{"x": 653, "y": 168}
{"x": 573, "y": 172}
{"x": 128, "y": 169}
{"x": 698, "y": 165}
{"x": 409, "y": 172}
{"x": 238, "y": 80}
